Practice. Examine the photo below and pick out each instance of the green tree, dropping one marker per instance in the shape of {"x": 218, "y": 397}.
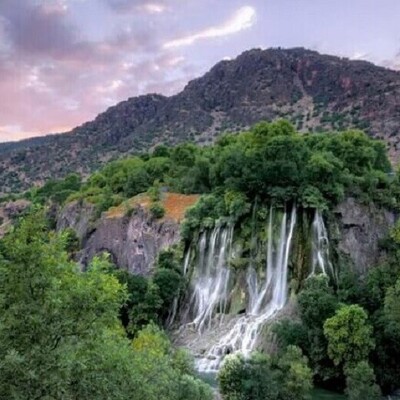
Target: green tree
{"x": 60, "y": 336}
{"x": 137, "y": 181}
{"x": 242, "y": 379}
{"x": 257, "y": 378}
{"x": 194, "y": 389}
{"x": 162, "y": 377}
{"x": 295, "y": 375}
{"x": 55, "y": 319}
{"x": 317, "y": 301}
{"x": 349, "y": 335}
{"x": 392, "y": 306}
{"x": 170, "y": 283}
{"x": 360, "y": 383}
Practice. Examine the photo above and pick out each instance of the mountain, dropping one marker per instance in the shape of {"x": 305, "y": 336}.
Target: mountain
{"x": 316, "y": 92}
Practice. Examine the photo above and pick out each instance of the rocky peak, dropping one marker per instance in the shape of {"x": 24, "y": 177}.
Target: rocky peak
{"x": 315, "y": 92}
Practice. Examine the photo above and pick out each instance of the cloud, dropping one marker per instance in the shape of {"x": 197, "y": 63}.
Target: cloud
{"x": 16, "y": 132}
{"x": 37, "y": 27}
{"x": 124, "y": 6}
{"x": 393, "y": 63}
{"x": 54, "y": 76}
{"x": 243, "y": 18}
{"x": 153, "y": 8}
{"x": 359, "y": 55}
{"x": 12, "y": 132}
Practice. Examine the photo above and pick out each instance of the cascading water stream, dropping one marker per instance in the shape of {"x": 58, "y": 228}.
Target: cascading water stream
{"x": 264, "y": 303}
{"x": 206, "y": 325}
{"x": 209, "y": 291}
{"x": 320, "y": 247}
{"x": 174, "y": 310}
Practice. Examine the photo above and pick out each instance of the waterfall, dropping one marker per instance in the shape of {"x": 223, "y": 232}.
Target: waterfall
{"x": 186, "y": 262}
{"x": 174, "y": 310}
{"x": 207, "y": 326}
{"x": 320, "y": 247}
{"x": 265, "y": 298}
{"x": 209, "y": 292}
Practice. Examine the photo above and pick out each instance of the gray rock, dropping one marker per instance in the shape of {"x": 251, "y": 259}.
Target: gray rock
{"x": 15, "y": 208}
{"x": 79, "y": 216}
{"x": 9, "y": 212}
{"x": 360, "y": 229}
{"x": 132, "y": 241}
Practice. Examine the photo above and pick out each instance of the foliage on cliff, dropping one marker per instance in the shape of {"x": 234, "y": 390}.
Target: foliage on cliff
{"x": 271, "y": 162}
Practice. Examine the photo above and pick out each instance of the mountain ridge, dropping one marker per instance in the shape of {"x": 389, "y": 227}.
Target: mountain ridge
{"x": 316, "y": 92}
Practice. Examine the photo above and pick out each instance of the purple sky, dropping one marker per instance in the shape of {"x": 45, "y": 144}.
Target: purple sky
{"x": 64, "y": 61}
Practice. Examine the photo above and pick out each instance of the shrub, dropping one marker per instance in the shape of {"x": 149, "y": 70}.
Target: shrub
{"x": 157, "y": 210}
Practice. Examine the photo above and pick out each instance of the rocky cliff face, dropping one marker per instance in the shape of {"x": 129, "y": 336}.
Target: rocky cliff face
{"x": 79, "y": 216}
{"x": 316, "y": 92}
{"x": 360, "y": 228}
{"x": 133, "y": 241}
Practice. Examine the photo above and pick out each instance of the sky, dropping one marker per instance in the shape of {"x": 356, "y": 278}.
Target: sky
{"x": 62, "y": 62}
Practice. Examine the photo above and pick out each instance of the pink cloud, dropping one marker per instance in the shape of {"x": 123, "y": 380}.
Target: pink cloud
{"x": 54, "y": 79}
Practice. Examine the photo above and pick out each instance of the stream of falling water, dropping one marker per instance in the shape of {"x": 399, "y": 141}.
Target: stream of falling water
{"x": 320, "y": 247}
{"x": 267, "y": 293}
{"x": 265, "y": 298}
{"x": 211, "y": 277}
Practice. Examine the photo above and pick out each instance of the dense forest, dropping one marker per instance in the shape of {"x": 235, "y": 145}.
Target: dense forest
{"x": 102, "y": 333}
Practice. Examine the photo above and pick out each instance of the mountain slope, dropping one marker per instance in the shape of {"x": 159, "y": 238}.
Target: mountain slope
{"x": 316, "y": 92}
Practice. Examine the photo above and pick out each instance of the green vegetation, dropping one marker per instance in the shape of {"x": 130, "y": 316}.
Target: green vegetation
{"x": 260, "y": 378}
{"x": 350, "y": 332}
{"x": 360, "y": 383}
{"x": 271, "y": 161}
{"x": 150, "y": 299}
{"x": 157, "y": 210}
{"x": 60, "y": 336}
{"x": 349, "y": 336}
{"x": 56, "y": 191}
{"x": 71, "y": 334}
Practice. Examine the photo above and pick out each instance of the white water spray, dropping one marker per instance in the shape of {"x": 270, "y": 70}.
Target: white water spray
{"x": 211, "y": 278}
{"x": 206, "y": 324}
{"x": 265, "y": 298}
{"x": 320, "y": 247}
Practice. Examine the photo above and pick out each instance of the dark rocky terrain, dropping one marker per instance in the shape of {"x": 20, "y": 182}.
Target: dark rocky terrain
{"x": 316, "y": 92}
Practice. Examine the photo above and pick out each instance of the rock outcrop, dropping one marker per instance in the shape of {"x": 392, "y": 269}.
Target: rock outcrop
{"x": 128, "y": 232}
{"x": 361, "y": 227}
{"x": 79, "y": 216}
{"x": 316, "y": 92}
{"x": 9, "y": 211}
{"x": 132, "y": 241}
